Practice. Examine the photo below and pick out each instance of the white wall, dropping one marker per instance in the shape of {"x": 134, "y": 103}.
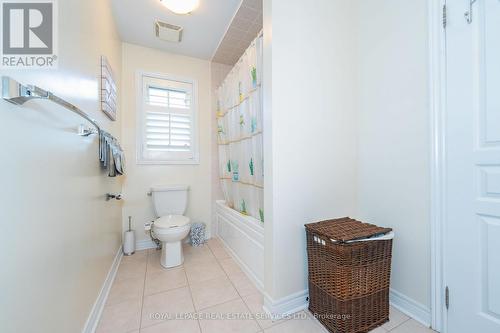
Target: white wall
{"x": 140, "y": 178}
{"x": 346, "y": 133}
{"x": 394, "y": 145}
{"x": 58, "y": 234}
{"x": 310, "y": 132}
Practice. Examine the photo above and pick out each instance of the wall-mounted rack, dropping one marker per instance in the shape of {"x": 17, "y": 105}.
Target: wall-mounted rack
{"x": 111, "y": 154}
{"x": 16, "y": 93}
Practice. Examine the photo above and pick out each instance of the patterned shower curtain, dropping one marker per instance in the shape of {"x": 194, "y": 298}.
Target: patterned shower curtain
{"x": 239, "y": 120}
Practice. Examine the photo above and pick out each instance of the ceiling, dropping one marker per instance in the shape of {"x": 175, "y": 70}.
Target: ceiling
{"x": 203, "y": 29}
{"x": 246, "y": 25}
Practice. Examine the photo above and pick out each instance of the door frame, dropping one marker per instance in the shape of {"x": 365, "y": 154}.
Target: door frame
{"x": 437, "y": 101}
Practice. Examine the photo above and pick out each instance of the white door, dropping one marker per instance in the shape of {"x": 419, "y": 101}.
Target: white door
{"x": 472, "y": 150}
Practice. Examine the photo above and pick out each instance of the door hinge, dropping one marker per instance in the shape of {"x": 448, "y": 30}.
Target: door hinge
{"x": 444, "y": 16}
{"x": 447, "y": 297}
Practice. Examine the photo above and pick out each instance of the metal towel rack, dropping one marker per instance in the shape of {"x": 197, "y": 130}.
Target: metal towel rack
{"x": 16, "y": 93}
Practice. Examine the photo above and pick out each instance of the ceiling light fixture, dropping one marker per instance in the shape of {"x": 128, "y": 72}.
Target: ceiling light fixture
{"x": 181, "y": 6}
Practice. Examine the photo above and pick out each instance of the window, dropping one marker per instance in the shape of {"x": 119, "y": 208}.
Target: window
{"x": 167, "y": 121}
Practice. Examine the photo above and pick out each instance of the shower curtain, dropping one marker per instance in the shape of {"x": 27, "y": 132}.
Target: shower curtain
{"x": 239, "y": 120}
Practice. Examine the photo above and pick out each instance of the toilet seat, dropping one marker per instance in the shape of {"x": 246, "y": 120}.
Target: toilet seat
{"x": 171, "y": 221}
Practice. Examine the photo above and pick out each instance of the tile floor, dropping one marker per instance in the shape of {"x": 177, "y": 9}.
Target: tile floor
{"x": 209, "y": 287}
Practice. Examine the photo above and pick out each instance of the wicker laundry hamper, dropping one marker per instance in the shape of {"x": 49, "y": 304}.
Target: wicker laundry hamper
{"x": 348, "y": 274}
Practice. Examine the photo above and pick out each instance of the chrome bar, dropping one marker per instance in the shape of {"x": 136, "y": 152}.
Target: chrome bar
{"x": 16, "y": 93}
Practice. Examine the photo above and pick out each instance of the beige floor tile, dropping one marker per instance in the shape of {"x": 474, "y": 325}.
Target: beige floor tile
{"x": 174, "y": 326}
{"x": 301, "y": 324}
{"x": 153, "y": 251}
{"x": 229, "y": 317}
{"x": 376, "y": 330}
{"x": 166, "y": 305}
{"x": 396, "y": 318}
{"x": 255, "y": 303}
{"x": 131, "y": 270}
{"x": 121, "y": 317}
{"x": 220, "y": 253}
{"x": 141, "y": 255}
{"x": 158, "y": 281}
{"x": 411, "y": 326}
{"x": 213, "y": 292}
{"x": 243, "y": 284}
{"x": 204, "y": 271}
{"x": 154, "y": 261}
{"x": 230, "y": 266}
{"x": 198, "y": 258}
{"x": 218, "y": 248}
{"x": 197, "y": 255}
{"x": 188, "y": 249}
{"x": 126, "y": 289}
{"x": 214, "y": 242}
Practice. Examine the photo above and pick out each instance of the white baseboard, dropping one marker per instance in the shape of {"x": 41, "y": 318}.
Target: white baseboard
{"x": 144, "y": 244}
{"x": 410, "y": 307}
{"x": 298, "y": 302}
{"x": 286, "y": 305}
{"x": 95, "y": 313}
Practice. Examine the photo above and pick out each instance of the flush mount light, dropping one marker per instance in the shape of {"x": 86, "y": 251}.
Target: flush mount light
{"x": 181, "y": 6}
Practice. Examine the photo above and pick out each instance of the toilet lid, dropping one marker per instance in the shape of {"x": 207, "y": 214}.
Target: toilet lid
{"x": 171, "y": 221}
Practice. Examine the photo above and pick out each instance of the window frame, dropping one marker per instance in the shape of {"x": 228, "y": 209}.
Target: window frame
{"x": 140, "y": 118}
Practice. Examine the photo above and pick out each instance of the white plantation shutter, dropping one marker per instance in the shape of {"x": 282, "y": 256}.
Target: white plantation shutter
{"x": 168, "y": 120}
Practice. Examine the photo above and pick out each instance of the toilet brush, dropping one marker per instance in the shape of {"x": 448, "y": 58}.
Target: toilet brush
{"x": 129, "y": 239}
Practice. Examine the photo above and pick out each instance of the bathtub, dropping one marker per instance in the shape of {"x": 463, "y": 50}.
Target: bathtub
{"x": 243, "y": 237}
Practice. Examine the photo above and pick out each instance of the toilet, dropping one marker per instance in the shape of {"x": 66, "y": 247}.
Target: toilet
{"x": 171, "y": 226}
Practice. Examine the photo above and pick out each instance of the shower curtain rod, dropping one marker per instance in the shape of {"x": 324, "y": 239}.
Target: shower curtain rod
{"x": 16, "y": 93}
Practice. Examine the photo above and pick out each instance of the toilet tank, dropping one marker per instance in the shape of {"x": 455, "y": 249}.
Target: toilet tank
{"x": 170, "y": 199}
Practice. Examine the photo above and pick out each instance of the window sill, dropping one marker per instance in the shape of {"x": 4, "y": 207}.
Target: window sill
{"x": 167, "y": 162}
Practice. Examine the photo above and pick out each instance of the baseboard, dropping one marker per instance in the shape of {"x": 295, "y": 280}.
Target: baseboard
{"x": 410, "y": 307}
{"x": 298, "y": 302}
{"x": 95, "y": 313}
{"x": 144, "y": 244}
{"x": 286, "y": 305}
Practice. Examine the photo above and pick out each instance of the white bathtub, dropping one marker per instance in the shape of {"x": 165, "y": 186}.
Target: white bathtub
{"x": 243, "y": 237}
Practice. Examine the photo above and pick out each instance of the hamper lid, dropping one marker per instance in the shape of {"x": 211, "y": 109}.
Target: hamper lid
{"x": 346, "y": 229}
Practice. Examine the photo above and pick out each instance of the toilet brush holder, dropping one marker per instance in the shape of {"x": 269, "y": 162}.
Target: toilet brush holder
{"x": 129, "y": 240}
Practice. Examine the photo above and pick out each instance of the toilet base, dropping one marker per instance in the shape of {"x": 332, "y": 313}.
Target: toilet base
{"x": 171, "y": 254}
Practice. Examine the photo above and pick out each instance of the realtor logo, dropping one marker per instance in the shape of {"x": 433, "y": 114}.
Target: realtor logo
{"x": 28, "y": 34}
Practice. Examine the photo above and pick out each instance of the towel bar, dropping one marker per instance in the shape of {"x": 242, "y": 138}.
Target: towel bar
{"x": 111, "y": 155}
{"x": 16, "y": 93}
